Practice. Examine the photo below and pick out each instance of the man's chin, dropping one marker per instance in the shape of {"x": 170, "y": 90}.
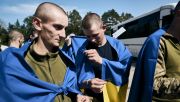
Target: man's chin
{"x": 93, "y": 42}
{"x": 56, "y": 45}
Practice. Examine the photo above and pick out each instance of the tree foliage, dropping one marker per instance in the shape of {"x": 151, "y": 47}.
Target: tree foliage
{"x": 74, "y": 23}
{"x": 3, "y": 33}
{"x": 125, "y": 16}
{"x": 27, "y": 26}
{"x": 110, "y": 18}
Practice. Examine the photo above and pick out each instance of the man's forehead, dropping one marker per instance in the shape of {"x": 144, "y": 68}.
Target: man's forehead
{"x": 58, "y": 18}
{"x": 95, "y": 27}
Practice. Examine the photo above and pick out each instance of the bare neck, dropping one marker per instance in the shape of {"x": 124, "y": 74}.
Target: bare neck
{"x": 103, "y": 42}
{"x": 41, "y": 48}
{"x": 15, "y": 44}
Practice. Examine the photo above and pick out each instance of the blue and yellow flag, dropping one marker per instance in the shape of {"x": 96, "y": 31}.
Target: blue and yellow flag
{"x": 116, "y": 72}
{"x": 113, "y": 93}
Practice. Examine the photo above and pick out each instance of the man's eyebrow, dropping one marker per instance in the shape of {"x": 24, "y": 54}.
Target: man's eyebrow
{"x": 94, "y": 35}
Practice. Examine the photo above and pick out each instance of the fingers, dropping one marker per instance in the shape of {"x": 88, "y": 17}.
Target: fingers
{"x": 97, "y": 81}
{"x": 93, "y": 56}
{"x": 97, "y": 89}
{"x": 100, "y": 80}
{"x": 97, "y": 85}
{"x": 90, "y": 55}
{"x": 91, "y": 51}
{"x": 82, "y": 98}
{"x": 88, "y": 99}
{"x": 68, "y": 39}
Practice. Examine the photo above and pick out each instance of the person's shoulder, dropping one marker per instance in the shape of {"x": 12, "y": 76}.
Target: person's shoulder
{"x": 7, "y": 50}
{"x": 3, "y": 47}
{"x": 5, "y": 53}
{"x": 155, "y": 37}
{"x": 14, "y": 50}
{"x": 79, "y": 38}
{"x": 116, "y": 43}
{"x": 78, "y": 41}
{"x": 157, "y": 33}
{"x": 113, "y": 40}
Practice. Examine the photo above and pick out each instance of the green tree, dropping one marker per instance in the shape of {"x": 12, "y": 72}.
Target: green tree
{"x": 17, "y": 24}
{"x": 125, "y": 16}
{"x": 3, "y": 33}
{"x": 2, "y": 24}
{"x": 74, "y": 23}
{"x": 4, "y": 39}
{"x": 110, "y": 18}
{"x": 27, "y": 27}
{"x": 10, "y": 26}
{"x": 2, "y": 28}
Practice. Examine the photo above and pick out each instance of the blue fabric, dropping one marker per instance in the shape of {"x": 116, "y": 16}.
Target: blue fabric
{"x": 142, "y": 83}
{"x": 76, "y": 43}
{"x": 115, "y": 71}
{"x": 18, "y": 82}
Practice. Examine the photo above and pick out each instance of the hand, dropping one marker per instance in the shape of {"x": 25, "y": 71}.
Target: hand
{"x": 93, "y": 56}
{"x": 97, "y": 85}
{"x": 68, "y": 39}
{"x": 83, "y": 98}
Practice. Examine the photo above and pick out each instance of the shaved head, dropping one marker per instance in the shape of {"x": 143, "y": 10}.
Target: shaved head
{"x": 46, "y": 10}
{"x": 14, "y": 35}
{"x": 50, "y": 21}
{"x": 91, "y": 20}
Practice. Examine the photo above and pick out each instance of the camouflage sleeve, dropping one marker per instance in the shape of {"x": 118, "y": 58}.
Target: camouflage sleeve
{"x": 164, "y": 86}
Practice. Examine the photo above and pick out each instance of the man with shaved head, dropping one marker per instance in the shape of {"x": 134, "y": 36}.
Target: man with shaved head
{"x": 16, "y": 39}
{"x": 102, "y": 62}
{"x": 40, "y": 71}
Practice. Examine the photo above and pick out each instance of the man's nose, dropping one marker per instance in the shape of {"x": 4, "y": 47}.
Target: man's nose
{"x": 92, "y": 39}
{"x": 62, "y": 34}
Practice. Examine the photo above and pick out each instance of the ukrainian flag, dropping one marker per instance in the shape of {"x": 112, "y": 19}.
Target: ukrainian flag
{"x": 113, "y": 93}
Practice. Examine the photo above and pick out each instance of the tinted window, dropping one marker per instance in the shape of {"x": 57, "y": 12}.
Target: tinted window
{"x": 167, "y": 21}
{"x": 142, "y": 27}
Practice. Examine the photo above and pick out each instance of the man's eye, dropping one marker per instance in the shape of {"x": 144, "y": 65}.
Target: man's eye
{"x": 58, "y": 27}
{"x": 92, "y": 36}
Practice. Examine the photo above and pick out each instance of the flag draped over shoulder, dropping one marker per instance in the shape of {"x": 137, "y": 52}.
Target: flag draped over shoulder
{"x": 76, "y": 43}
{"x": 142, "y": 83}
{"x": 18, "y": 82}
{"x": 116, "y": 72}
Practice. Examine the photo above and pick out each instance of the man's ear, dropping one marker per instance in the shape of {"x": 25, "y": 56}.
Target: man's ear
{"x": 37, "y": 23}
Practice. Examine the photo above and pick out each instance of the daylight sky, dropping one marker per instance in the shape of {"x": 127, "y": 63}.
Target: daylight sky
{"x": 11, "y": 10}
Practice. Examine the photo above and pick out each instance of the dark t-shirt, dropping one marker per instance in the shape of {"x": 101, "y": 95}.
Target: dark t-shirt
{"x": 106, "y": 52}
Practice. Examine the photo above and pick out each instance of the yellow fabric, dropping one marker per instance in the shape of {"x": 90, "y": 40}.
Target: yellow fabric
{"x": 113, "y": 93}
